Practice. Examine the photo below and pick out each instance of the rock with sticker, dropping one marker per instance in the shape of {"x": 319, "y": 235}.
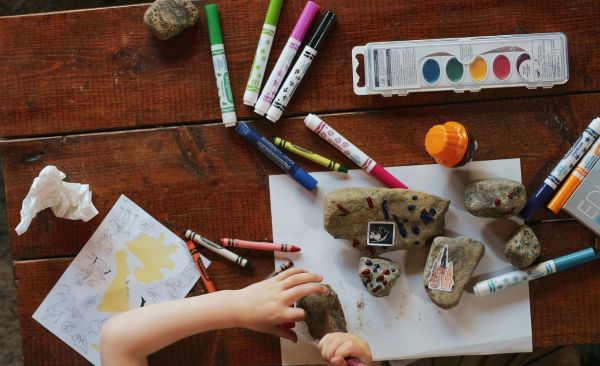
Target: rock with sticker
{"x": 495, "y": 198}
{"x": 168, "y": 18}
{"x": 391, "y": 219}
{"x": 450, "y": 264}
{"x": 378, "y": 275}
{"x": 523, "y": 248}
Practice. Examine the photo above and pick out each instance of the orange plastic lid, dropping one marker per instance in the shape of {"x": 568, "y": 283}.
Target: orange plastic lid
{"x": 447, "y": 143}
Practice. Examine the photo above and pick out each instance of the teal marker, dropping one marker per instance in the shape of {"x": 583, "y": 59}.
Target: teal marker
{"x": 220, "y": 65}
{"x": 259, "y": 65}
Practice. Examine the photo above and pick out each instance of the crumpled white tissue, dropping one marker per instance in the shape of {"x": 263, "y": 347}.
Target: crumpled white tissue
{"x": 67, "y": 200}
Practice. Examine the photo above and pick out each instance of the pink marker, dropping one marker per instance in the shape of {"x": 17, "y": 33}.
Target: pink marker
{"x": 285, "y": 59}
{"x": 352, "y": 152}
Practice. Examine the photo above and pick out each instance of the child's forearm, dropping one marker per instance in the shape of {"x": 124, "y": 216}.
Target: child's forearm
{"x": 128, "y": 338}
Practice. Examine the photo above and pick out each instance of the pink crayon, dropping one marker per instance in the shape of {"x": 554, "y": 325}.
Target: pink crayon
{"x": 352, "y": 152}
{"x": 257, "y": 245}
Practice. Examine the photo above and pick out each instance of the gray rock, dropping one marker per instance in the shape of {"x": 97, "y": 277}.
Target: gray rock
{"x": 417, "y": 216}
{"x": 378, "y": 275}
{"x": 324, "y": 313}
{"x": 523, "y": 248}
{"x": 495, "y": 198}
{"x": 168, "y": 18}
{"x": 449, "y": 266}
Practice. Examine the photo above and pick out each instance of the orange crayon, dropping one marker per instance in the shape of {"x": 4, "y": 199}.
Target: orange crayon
{"x": 576, "y": 177}
{"x": 208, "y": 283}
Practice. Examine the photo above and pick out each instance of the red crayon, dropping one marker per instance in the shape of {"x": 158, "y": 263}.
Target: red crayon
{"x": 258, "y": 245}
{"x": 208, "y": 283}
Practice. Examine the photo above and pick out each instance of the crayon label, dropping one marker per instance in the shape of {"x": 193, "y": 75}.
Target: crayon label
{"x": 261, "y": 57}
{"x": 442, "y": 273}
{"x": 222, "y": 76}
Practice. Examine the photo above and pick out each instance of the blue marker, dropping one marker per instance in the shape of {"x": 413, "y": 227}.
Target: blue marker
{"x": 515, "y": 278}
{"x": 275, "y": 155}
{"x": 575, "y": 153}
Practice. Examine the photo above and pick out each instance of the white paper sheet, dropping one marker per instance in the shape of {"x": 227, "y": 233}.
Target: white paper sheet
{"x": 111, "y": 274}
{"x": 405, "y": 324}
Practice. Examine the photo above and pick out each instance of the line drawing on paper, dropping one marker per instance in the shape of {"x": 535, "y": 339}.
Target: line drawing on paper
{"x": 67, "y": 326}
{"x": 94, "y": 273}
{"x": 104, "y": 243}
{"x": 146, "y": 225}
{"x": 175, "y": 284}
{"x": 154, "y": 294}
{"x": 123, "y": 223}
{"x": 95, "y": 326}
{"x": 66, "y": 304}
{"x": 90, "y": 301}
{"x": 80, "y": 342}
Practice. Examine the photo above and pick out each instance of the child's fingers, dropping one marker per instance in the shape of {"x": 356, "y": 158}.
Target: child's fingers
{"x": 345, "y": 349}
{"x": 329, "y": 349}
{"x": 284, "y": 333}
{"x": 295, "y": 293}
{"x": 289, "y": 272}
{"x": 293, "y": 315}
{"x": 300, "y": 279}
{"x": 338, "y": 361}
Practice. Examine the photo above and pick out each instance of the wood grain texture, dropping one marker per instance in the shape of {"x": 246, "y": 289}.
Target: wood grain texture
{"x": 101, "y": 69}
{"x": 208, "y": 177}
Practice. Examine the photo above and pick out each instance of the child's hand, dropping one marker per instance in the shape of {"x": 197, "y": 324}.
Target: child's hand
{"x": 335, "y": 347}
{"x": 264, "y": 305}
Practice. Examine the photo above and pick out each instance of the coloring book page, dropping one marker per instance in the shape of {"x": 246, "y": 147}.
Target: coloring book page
{"x": 406, "y": 324}
{"x": 130, "y": 261}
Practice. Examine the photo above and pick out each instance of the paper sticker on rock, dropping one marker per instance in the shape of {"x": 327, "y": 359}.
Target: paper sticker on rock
{"x": 442, "y": 273}
{"x": 418, "y": 217}
{"x": 378, "y": 275}
{"x": 460, "y": 256}
{"x": 381, "y": 233}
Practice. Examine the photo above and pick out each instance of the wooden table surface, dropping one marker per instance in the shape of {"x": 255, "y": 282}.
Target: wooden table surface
{"x": 93, "y": 93}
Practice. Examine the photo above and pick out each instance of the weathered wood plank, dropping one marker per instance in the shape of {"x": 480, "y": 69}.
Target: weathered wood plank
{"x": 101, "y": 69}
{"x": 563, "y": 309}
{"x": 208, "y": 177}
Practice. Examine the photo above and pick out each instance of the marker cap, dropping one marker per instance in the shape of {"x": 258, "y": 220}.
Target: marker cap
{"x": 307, "y": 16}
{"x": 274, "y": 114}
{"x": 214, "y": 27}
{"x": 250, "y": 98}
{"x": 447, "y": 143}
{"x": 273, "y": 12}
{"x": 229, "y": 119}
{"x": 534, "y": 202}
{"x": 318, "y": 36}
{"x": 305, "y": 179}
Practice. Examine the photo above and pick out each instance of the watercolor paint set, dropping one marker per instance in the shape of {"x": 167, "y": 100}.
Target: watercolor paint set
{"x": 462, "y": 64}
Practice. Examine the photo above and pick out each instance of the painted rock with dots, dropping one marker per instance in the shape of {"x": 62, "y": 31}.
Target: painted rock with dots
{"x": 378, "y": 275}
{"x": 450, "y": 265}
{"x": 523, "y": 248}
{"x": 495, "y": 198}
{"x": 379, "y": 220}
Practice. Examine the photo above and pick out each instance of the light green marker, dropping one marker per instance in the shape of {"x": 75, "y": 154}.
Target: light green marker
{"x": 220, "y": 65}
{"x": 263, "y": 49}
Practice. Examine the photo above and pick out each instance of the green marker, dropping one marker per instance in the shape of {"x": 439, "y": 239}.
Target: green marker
{"x": 259, "y": 65}
{"x": 321, "y": 160}
{"x": 220, "y": 65}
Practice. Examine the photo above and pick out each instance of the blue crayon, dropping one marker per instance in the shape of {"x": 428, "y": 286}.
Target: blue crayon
{"x": 560, "y": 171}
{"x": 275, "y": 155}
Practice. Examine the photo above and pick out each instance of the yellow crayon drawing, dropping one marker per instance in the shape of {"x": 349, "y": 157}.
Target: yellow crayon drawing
{"x": 154, "y": 255}
{"x": 116, "y": 298}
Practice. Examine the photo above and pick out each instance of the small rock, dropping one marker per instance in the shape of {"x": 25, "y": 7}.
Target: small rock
{"x": 324, "y": 313}
{"x": 416, "y": 217}
{"x": 449, "y": 266}
{"x": 378, "y": 275}
{"x": 523, "y": 248}
{"x": 168, "y": 18}
{"x": 495, "y": 198}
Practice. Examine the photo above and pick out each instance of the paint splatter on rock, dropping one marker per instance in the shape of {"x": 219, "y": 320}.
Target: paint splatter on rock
{"x": 378, "y": 275}
{"x": 495, "y": 198}
{"x": 418, "y": 225}
{"x": 523, "y": 248}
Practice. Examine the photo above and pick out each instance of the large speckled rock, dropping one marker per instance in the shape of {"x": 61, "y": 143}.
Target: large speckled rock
{"x": 495, "y": 198}
{"x": 449, "y": 266}
{"x": 168, "y": 18}
{"x": 523, "y": 248}
{"x": 324, "y": 313}
{"x": 378, "y": 275}
{"x": 417, "y": 216}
